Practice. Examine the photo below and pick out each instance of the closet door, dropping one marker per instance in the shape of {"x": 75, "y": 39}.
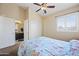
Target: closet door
{"x": 7, "y": 32}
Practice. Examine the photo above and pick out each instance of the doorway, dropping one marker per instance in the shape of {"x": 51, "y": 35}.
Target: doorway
{"x": 19, "y": 31}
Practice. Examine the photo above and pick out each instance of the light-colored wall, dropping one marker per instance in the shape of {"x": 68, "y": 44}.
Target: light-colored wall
{"x": 19, "y": 26}
{"x": 49, "y": 26}
{"x": 9, "y": 10}
{"x": 35, "y": 25}
{"x": 26, "y": 26}
{"x": 7, "y": 32}
{"x": 12, "y": 10}
{"x": 22, "y": 13}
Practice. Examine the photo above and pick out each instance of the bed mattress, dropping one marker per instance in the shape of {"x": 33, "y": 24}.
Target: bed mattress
{"x": 44, "y": 46}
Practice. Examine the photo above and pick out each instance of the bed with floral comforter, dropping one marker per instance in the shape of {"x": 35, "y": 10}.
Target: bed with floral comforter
{"x": 44, "y": 46}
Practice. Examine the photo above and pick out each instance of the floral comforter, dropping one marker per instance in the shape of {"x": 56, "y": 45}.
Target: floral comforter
{"x": 45, "y": 46}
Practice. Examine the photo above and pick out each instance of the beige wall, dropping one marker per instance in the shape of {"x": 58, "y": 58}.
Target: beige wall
{"x": 35, "y": 25}
{"x": 9, "y": 10}
{"x": 49, "y": 26}
{"x": 12, "y": 10}
{"x": 22, "y": 13}
{"x": 19, "y": 26}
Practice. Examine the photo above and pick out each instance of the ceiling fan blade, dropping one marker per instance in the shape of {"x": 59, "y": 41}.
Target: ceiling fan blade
{"x": 50, "y": 6}
{"x": 38, "y": 10}
{"x": 42, "y": 4}
{"x": 37, "y": 4}
{"x": 45, "y": 11}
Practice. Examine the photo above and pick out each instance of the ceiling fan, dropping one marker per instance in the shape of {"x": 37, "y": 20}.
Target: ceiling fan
{"x": 43, "y": 7}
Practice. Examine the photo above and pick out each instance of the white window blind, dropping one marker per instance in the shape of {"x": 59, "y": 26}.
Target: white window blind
{"x": 68, "y": 22}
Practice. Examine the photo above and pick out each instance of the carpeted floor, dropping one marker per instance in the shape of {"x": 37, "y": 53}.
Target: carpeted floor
{"x": 10, "y": 51}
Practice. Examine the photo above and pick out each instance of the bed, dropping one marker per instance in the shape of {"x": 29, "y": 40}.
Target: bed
{"x": 44, "y": 46}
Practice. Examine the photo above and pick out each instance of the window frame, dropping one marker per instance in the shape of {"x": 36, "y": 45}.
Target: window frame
{"x": 76, "y": 14}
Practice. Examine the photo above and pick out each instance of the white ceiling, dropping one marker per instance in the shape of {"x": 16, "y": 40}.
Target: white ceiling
{"x": 59, "y": 7}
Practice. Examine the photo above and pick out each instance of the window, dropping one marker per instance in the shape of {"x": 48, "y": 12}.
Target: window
{"x": 68, "y": 23}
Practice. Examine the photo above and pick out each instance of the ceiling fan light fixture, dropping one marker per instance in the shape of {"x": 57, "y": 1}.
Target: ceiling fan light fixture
{"x": 43, "y": 8}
